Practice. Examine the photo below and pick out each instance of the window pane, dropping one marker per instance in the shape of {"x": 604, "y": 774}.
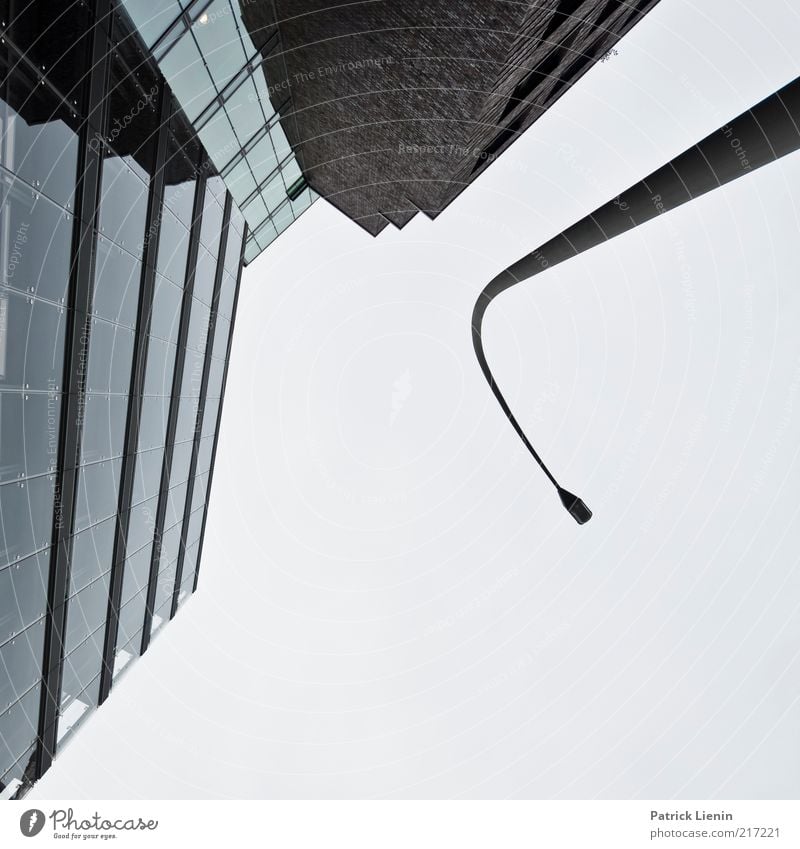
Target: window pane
{"x": 153, "y": 422}
{"x": 92, "y": 552}
{"x": 26, "y": 517}
{"x": 98, "y": 493}
{"x": 29, "y": 427}
{"x": 117, "y": 281}
{"x": 23, "y": 594}
{"x": 31, "y": 343}
{"x": 104, "y": 422}
{"x": 110, "y": 358}
{"x": 86, "y": 612}
{"x": 141, "y": 524}
{"x": 135, "y": 578}
{"x": 166, "y": 314}
{"x": 123, "y": 203}
{"x": 36, "y": 241}
{"x": 147, "y": 476}
{"x": 173, "y": 247}
{"x": 18, "y": 728}
{"x": 160, "y": 367}
{"x": 21, "y": 663}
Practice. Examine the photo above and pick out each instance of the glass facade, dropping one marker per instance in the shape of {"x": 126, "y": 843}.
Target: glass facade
{"x": 215, "y": 65}
{"x": 121, "y": 251}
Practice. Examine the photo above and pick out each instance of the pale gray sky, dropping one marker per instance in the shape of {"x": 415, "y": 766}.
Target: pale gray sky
{"x": 392, "y": 601}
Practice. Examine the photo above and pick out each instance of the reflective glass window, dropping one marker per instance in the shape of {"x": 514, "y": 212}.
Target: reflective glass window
{"x": 18, "y": 729}
{"x": 160, "y": 367}
{"x": 92, "y": 554}
{"x": 21, "y": 663}
{"x": 26, "y": 517}
{"x": 29, "y": 426}
{"x": 35, "y": 241}
{"x": 147, "y": 475}
{"x": 110, "y": 358}
{"x": 98, "y": 493}
{"x": 166, "y": 316}
{"x": 31, "y": 342}
{"x": 117, "y": 282}
{"x": 104, "y": 420}
{"x": 153, "y": 422}
{"x": 23, "y": 594}
{"x": 136, "y": 575}
{"x": 86, "y": 612}
{"x": 123, "y": 203}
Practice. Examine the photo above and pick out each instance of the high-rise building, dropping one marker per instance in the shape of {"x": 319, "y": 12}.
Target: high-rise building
{"x": 149, "y": 149}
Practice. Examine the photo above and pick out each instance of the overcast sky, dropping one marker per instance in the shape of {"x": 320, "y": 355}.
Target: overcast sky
{"x": 392, "y": 601}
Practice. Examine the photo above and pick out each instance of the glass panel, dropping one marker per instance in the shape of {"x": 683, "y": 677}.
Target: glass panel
{"x": 282, "y": 218}
{"x": 165, "y": 586}
{"x": 131, "y": 619}
{"x": 116, "y": 287}
{"x": 55, "y": 42}
{"x": 266, "y": 235}
{"x": 187, "y": 419}
{"x": 233, "y": 250}
{"x": 219, "y": 42}
{"x": 187, "y": 76}
{"x": 36, "y": 242}
{"x": 196, "y": 519}
{"x": 243, "y": 109}
{"x": 123, "y": 203}
{"x": 176, "y": 504}
{"x": 43, "y": 152}
{"x": 19, "y": 778}
{"x": 274, "y": 192}
{"x": 227, "y": 295}
{"x": 29, "y": 427}
{"x": 215, "y": 376}
{"x": 18, "y": 729}
{"x": 166, "y": 314}
{"x": 86, "y": 612}
{"x": 21, "y": 663}
{"x": 198, "y": 327}
{"x": 153, "y": 422}
{"x": 136, "y": 578}
{"x": 31, "y": 343}
{"x": 98, "y": 493}
{"x": 218, "y": 138}
{"x": 81, "y": 668}
{"x": 170, "y": 546}
{"x": 26, "y": 518}
{"x": 262, "y": 158}
{"x": 92, "y": 553}
{"x": 173, "y": 247}
{"x": 110, "y": 358}
{"x": 181, "y": 459}
{"x": 280, "y": 142}
{"x": 204, "y": 275}
{"x": 222, "y": 329}
{"x": 152, "y": 17}
{"x": 205, "y": 450}
{"x": 75, "y": 709}
{"x": 104, "y": 422}
{"x": 147, "y": 476}
{"x": 192, "y": 374}
{"x": 160, "y": 367}
{"x": 141, "y": 524}
{"x": 23, "y": 594}
{"x": 210, "y": 416}
{"x": 240, "y": 181}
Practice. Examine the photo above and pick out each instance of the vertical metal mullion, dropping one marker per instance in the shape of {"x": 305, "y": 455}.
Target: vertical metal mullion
{"x": 219, "y": 411}
{"x": 78, "y": 322}
{"x": 212, "y": 323}
{"x": 132, "y": 425}
{"x": 174, "y": 406}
